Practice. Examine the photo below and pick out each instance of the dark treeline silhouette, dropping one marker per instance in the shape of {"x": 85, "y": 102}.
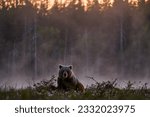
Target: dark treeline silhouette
{"x": 103, "y": 39}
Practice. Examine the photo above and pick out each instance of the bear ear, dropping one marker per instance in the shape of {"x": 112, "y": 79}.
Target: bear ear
{"x": 71, "y": 67}
{"x": 60, "y": 66}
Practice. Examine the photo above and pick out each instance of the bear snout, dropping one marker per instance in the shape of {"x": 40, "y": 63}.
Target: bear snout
{"x": 65, "y": 74}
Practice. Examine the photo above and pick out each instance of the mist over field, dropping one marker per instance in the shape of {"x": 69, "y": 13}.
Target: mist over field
{"x": 104, "y": 41}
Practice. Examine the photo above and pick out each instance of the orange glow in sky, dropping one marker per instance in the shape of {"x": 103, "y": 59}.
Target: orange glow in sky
{"x": 49, "y": 3}
{"x": 85, "y": 1}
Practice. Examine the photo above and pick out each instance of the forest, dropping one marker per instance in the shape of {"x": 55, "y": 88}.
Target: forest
{"x": 98, "y": 39}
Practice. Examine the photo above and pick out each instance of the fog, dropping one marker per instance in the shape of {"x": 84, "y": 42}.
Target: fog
{"x": 105, "y": 41}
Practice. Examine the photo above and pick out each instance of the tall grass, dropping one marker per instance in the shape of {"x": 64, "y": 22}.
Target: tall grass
{"x": 47, "y": 90}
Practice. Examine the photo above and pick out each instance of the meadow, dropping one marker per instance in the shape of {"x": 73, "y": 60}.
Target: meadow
{"x": 47, "y": 90}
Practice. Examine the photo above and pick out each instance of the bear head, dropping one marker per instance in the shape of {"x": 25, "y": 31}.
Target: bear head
{"x": 65, "y": 71}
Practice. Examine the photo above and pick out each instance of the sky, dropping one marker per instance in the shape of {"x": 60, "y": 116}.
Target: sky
{"x": 84, "y": 1}
{"x": 51, "y": 2}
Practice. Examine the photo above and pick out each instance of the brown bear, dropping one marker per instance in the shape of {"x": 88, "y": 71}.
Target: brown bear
{"x": 67, "y": 80}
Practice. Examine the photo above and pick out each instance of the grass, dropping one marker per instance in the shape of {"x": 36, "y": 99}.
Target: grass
{"x": 46, "y": 90}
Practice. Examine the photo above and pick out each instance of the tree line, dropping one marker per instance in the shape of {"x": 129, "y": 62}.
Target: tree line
{"x": 96, "y": 38}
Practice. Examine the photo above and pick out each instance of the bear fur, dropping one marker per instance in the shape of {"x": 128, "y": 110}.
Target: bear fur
{"x": 67, "y": 80}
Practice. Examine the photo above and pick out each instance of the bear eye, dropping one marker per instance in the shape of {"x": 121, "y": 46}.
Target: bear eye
{"x": 70, "y": 67}
{"x": 60, "y": 66}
